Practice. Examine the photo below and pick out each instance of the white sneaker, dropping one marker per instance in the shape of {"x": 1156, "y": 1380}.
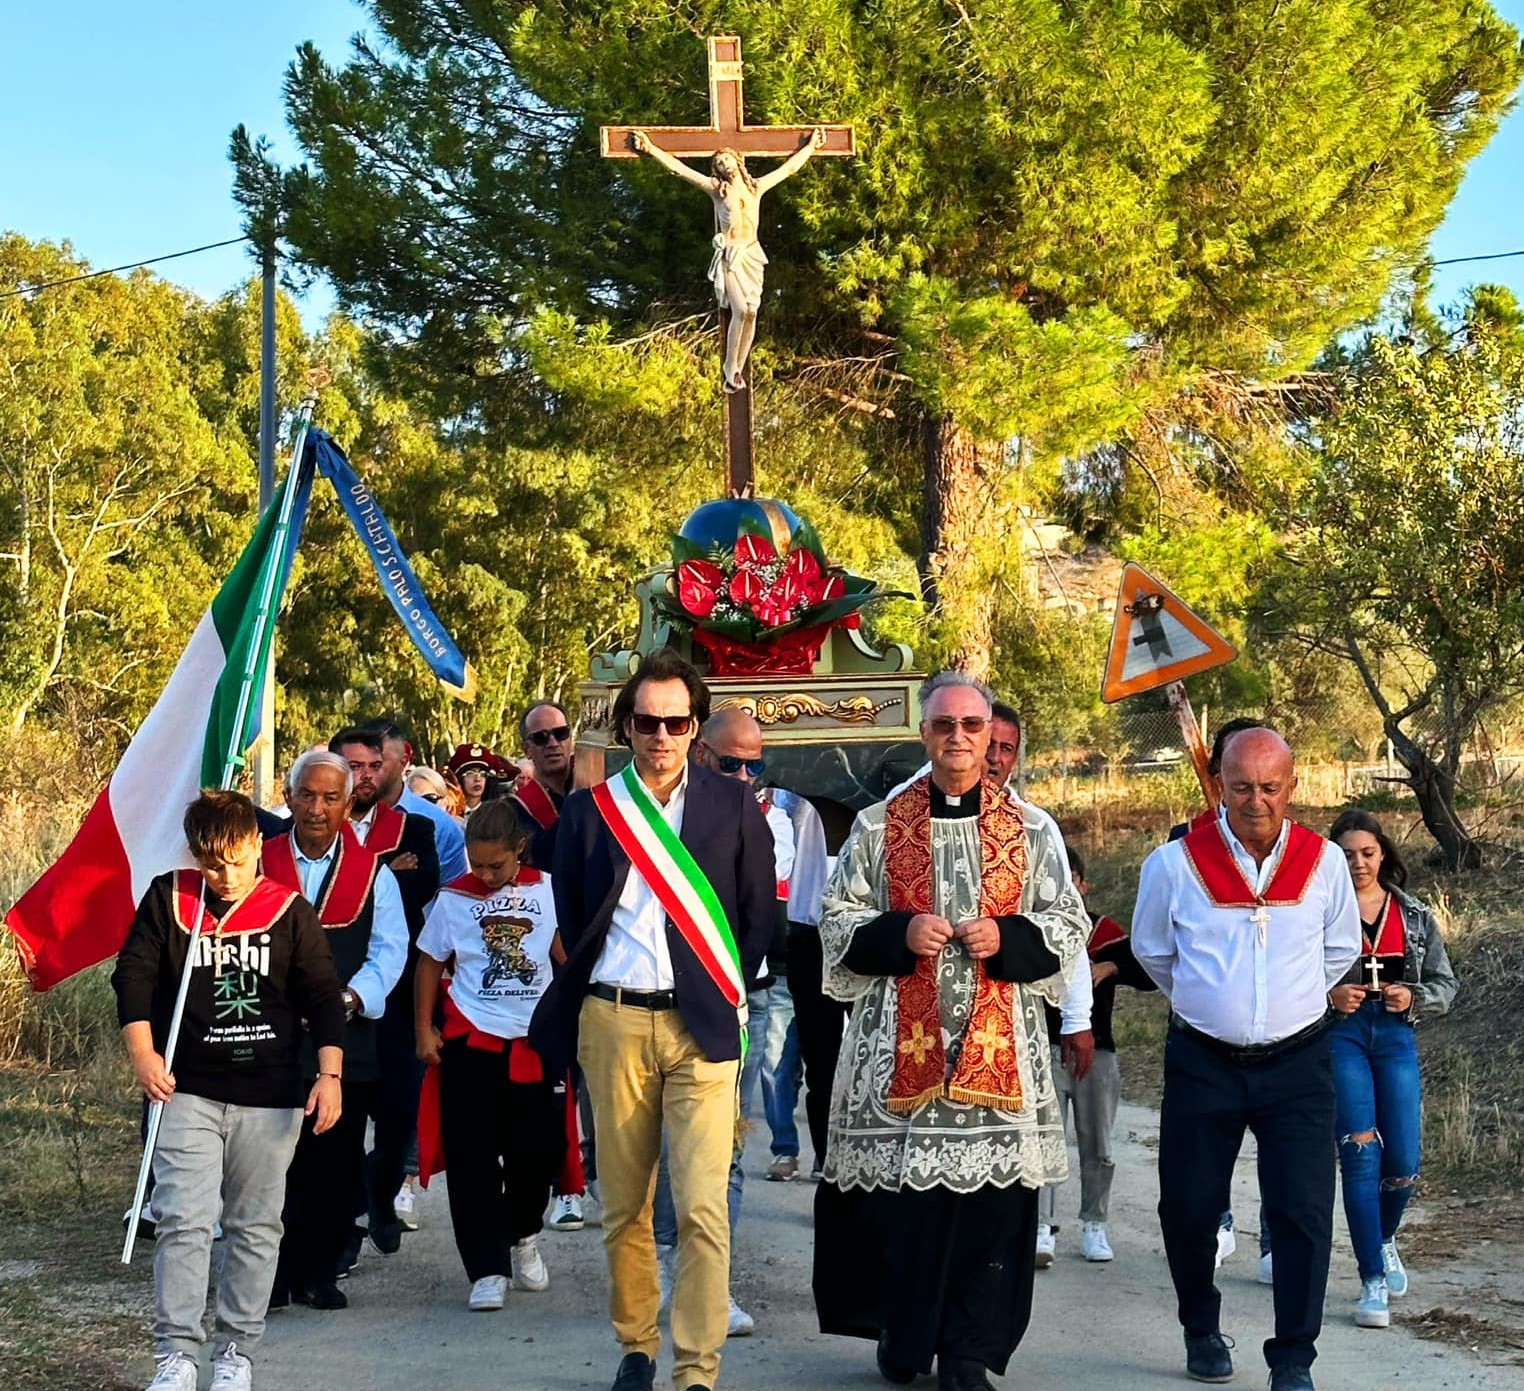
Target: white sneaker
{"x": 232, "y": 1371}
{"x": 666, "y": 1273}
{"x": 1094, "y": 1243}
{"x": 566, "y": 1213}
{"x": 741, "y": 1325}
{"x": 176, "y": 1372}
{"x": 405, "y": 1205}
{"x": 1396, "y": 1273}
{"x": 1047, "y": 1245}
{"x": 529, "y": 1271}
{"x": 488, "y": 1293}
{"x": 1266, "y": 1272}
{"x": 1371, "y": 1311}
{"x": 1227, "y": 1243}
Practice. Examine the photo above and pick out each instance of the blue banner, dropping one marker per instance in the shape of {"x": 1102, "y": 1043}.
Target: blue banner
{"x": 396, "y": 575}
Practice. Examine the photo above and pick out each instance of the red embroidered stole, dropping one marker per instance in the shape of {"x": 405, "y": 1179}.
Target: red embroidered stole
{"x": 536, "y": 801}
{"x": 386, "y": 828}
{"x": 1106, "y": 932}
{"x": 344, "y": 892}
{"x": 1392, "y": 940}
{"x": 1212, "y": 862}
{"x": 987, "y": 1072}
{"x": 260, "y": 908}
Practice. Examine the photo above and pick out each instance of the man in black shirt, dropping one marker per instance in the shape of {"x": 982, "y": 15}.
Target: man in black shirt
{"x": 233, "y": 1103}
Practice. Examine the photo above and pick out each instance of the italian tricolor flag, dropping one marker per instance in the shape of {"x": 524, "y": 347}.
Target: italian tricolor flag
{"x": 79, "y": 912}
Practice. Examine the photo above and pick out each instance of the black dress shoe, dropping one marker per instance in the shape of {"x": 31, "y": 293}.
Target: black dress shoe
{"x": 1291, "y": 1379}
{"x": 889, "y": 1367}
{"x": 321, "y": 1294}
{"x": 962, "y": 1374}
{"x": 385, "y": 1233}
{"x": 1207, "y": 1357}
{"x": 636, "y": 1373}
{"x": 280, "y": 1294}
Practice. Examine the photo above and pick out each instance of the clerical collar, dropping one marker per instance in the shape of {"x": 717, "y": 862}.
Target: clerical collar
{"x": 947, "y": 808}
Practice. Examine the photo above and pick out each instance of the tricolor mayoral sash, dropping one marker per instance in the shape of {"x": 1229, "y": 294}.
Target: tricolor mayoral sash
{"x": 668, "y": 867}
{"x": 1219, "y": 873}
{"x": 348, "y": 883}
{"x": 536, "y": 801}
{"x": 258, "y": 909}
{"x": 987, "y": 1072}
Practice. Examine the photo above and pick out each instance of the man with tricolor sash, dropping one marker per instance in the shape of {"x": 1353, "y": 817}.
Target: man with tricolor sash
{"x": 1245, "y": 924}
{"x": 666, "y": 899}
{"x": 948, "y": 923}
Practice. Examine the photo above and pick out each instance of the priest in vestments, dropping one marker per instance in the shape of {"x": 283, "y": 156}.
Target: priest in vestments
{"x": 949, "y": 921}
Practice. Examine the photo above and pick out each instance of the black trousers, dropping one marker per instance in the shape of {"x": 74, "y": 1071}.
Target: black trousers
{"x": 1288, "y": 1102}
{"x": 325, "y": 1170}
{"x": 503, "y": 1142}
{"x": 939, "y": 1274}
{"x": 396, "y": 1102}
{"x": 821, "y": 1021}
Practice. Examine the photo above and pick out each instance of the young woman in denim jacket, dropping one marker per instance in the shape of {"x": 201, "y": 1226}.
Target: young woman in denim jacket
{"x": 1403, "y": 973}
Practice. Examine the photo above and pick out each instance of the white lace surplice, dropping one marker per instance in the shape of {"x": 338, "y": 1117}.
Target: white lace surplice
{"x": 945, "y": 1143}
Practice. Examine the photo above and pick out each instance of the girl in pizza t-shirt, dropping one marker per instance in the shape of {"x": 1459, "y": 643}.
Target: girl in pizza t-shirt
{"x": 500, "y": 1116}
{"x": 1402, "y": 971}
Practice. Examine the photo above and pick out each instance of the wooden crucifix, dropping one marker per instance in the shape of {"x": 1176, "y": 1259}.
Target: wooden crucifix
{"x": 736, "y": 270}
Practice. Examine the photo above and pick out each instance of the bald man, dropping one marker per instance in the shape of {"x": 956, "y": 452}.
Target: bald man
{"x": 1245, "y": 924}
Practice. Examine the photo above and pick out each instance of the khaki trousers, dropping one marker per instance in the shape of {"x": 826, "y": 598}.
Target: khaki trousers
{"x": 644, "y": 1070}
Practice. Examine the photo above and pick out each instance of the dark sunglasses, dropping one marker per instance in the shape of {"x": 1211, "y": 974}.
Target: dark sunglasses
{"x": 730, "y": 765}
{"x": 559, "y": 733}
{"x": 946, "y": 725}
{"x": 431, "y": 796}
{"x": 677, "y": 725}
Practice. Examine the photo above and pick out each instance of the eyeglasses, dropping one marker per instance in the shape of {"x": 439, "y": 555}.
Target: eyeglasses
{"x": 559, "y": 733}
{"x": 677, "y": 725}
{"x": 730, "y": 765}
{"x": 946, "y": 725}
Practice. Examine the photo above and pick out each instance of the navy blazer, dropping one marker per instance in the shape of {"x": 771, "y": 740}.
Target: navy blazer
{"x": 727, "y": 834}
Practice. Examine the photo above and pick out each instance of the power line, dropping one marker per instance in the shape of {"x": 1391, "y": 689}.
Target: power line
{"x": 133, "y": 265}
{"x": 1462, "y": 260}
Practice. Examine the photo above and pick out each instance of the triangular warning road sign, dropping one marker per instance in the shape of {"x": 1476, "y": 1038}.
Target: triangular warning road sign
{"x": 1156, "y": 639}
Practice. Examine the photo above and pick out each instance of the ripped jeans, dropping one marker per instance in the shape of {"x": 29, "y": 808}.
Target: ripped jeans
{"x": 1378, "y": 1126}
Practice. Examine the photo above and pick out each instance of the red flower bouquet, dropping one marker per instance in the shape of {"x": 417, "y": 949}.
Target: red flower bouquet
{"x": 757, "y": 610}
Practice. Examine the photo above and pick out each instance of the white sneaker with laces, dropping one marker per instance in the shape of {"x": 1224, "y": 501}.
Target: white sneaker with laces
{"x": 488, "y": 1294}
{"x": 1094, "y": 1242}
{"x": 741, "y": 1325}
{"x": 1047, "y": 1245}
{"x": 1266, "y": 1273}
{"x": 1396, "y": 1273}
{"x": 666, "y": 1273}
{"x": 1371, "y": 1311}
{"x": 566, "y": 1213}
{"x": 1227, "y": 1243}
{"x": 529, "y": 1271}
{"x": 176, "y": 1372}
{"x": 232, "y": 1371}
{"x": 405, "y": 1205}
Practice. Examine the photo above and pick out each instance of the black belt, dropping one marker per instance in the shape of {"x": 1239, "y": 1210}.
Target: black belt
{"x": 1252, "y": 1054}
{"x": 639, "y": 999}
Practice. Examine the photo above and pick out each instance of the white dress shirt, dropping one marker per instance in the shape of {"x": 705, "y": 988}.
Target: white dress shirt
{"x": 635, "y": 952}
{"x": 1221, "y": 971}
{"x": 386, "y": 953}
{"x": 361, "y": 825}
{"x": 1079, "y": 998}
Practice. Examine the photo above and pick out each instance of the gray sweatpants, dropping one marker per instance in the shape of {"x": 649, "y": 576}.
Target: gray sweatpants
{"x": 215, "y": 1162}
{"x": 1091, "y": 1105}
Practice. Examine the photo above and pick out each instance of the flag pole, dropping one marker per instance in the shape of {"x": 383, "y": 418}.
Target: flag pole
{"x": 231, "y": 762}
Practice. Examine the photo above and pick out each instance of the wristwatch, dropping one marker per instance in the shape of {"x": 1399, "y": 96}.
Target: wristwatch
{"x": 351, "y": 1003}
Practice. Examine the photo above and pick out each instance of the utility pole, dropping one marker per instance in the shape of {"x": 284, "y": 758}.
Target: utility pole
{"x": 264, "y": 748}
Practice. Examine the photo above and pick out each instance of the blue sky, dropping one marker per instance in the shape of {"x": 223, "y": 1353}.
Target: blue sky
{"x": 114, "y": 122}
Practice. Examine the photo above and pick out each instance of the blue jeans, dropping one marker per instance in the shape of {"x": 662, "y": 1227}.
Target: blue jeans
{"x": 782, "y": 1071}
{"x": 663, "y": 1209}
{"x": 1376, "y": 1092}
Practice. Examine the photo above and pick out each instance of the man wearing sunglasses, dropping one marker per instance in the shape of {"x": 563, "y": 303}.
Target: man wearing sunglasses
{"x": 665, "y": 899}
{"x": 950, "y": 918}
{"x": 547, "y": 739}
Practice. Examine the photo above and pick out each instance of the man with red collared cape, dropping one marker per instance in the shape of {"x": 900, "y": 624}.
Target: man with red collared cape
{"x": 949, "y": 921}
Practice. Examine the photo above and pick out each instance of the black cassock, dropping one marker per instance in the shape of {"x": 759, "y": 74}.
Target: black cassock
{"x": 938, "y": 1272}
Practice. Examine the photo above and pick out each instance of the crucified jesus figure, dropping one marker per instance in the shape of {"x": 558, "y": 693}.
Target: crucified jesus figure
{"x": 736, "y": 269}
